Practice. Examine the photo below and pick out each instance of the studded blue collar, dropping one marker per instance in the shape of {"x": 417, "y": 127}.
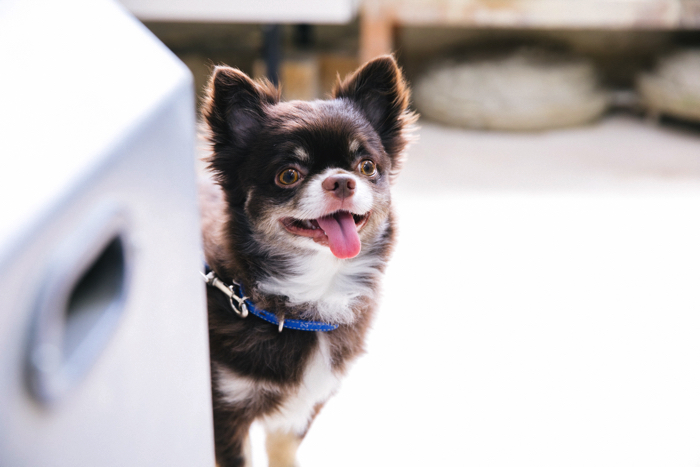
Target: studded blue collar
{"x": 241, "y": 305}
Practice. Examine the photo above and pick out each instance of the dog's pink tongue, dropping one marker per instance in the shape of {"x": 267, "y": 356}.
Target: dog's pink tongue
{"x": 342, "y": 234}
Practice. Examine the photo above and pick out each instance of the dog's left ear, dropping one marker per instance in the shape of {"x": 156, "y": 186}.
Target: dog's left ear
{"x": 378, "y": 89}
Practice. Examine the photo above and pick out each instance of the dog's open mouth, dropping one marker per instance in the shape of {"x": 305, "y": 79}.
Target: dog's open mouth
{"x": 338, "y": 230}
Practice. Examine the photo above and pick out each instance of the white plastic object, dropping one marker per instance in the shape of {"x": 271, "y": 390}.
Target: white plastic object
{"x": 103, "y": 331}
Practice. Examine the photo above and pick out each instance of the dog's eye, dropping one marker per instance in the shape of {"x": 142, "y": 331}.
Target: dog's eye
{"x": 367, "y": 167}
{"x": 288, "y": 177}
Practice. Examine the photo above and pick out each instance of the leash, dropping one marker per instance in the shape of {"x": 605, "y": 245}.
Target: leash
{"x": 242, "y": 306}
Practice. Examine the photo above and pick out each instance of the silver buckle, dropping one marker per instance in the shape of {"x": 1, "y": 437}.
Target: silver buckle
{"x": 242, "y": 309}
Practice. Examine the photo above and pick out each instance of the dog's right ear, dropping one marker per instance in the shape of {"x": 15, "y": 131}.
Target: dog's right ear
{"x": 234, "y": 108}
{"x": 379, "y": 90}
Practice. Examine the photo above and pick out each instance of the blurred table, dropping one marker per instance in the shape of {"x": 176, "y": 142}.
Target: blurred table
{"x": 268, "y": 12}
{"x": 259, "y": 11}
{"x": 380, "y": 18}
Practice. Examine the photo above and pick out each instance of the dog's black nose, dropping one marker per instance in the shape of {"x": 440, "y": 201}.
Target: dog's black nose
{"x": 341, "y": 186}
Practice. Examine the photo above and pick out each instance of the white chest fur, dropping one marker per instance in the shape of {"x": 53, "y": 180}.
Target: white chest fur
{"x": 331, "y": 284}
{"x": 320, "y": 382}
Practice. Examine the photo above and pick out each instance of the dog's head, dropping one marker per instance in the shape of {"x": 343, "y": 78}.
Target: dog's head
{"x": 309, "y": 175}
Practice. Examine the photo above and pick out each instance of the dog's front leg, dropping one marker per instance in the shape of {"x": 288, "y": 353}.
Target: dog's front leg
{"x": 282, "y": 445}
{"x": 232, "y": 441}
{"x": 246, "y": 457}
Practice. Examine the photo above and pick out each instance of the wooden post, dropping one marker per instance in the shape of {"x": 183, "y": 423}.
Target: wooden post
{"x": 376, "y": 31}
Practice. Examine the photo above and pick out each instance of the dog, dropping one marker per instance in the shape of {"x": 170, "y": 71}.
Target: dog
{"x": 297, "y": 227}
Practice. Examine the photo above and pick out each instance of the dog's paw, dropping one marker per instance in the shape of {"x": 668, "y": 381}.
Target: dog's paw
{"x": 282, "y": 449}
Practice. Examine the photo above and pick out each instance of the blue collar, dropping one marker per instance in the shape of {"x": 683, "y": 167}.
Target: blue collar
{"x": 241, "y": 305}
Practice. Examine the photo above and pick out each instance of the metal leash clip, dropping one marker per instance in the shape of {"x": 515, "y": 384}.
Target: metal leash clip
{"x": 241, "y": 309}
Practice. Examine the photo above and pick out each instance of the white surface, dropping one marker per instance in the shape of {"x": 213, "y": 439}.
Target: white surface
{"x": 619, "y": 154}
{"x": 541, "y": 308}
{"x": 95, "y": 112}
{"x": 58, "y": 108}
{"x": 245, "y": 11}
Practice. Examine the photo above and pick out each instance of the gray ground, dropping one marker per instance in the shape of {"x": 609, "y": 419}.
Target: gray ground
{"x": 616, "y": 154}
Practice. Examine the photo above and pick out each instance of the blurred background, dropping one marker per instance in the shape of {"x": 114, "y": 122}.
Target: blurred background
{"x": 541, "y": 308}
{"x": 542, "y": 305}
{"x": 610, "y": 46}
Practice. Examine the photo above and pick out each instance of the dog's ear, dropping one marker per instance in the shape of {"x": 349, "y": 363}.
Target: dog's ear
{"x": 234, "y": 108}
{"x": 378, "y": 89}
{"x": 233, "y": 111}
